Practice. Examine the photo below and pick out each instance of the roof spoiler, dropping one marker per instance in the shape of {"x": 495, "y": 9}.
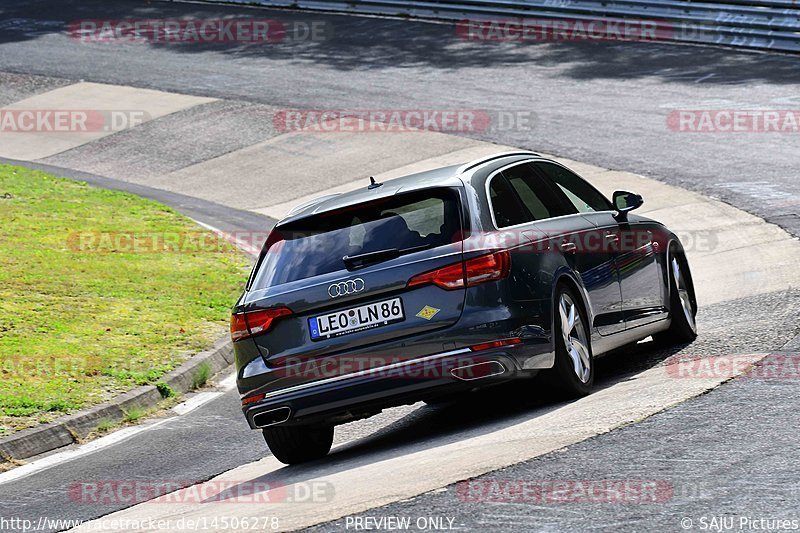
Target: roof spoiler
{"x": 472, "y": 164}
{"x": 309, "y": 203}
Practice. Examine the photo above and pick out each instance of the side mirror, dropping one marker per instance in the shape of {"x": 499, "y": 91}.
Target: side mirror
{"x": 624, "y": 202}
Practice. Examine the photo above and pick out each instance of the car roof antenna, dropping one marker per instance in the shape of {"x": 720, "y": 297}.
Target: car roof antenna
{"x": 373, "y": 184}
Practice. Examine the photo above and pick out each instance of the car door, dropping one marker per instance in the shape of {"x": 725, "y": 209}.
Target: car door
{"x": 571, "y": 233}
{"x": 634, "y": 245}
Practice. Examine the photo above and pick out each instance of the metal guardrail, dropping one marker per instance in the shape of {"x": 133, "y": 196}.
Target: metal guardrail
{"x": 762, "y": 25}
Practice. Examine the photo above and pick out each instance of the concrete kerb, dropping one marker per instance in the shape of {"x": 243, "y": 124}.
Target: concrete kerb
{"x": 77, "y": 426}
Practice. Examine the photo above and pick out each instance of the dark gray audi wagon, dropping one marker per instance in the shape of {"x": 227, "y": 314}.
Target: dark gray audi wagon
{"x": 443, "y": 282}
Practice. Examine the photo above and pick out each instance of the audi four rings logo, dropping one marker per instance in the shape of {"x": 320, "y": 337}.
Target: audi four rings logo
{"x": 351, "y": 286}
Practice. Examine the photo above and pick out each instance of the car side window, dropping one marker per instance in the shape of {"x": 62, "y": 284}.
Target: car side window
{"x": 583, "y": 196}
{"x": 506, "y": 207}
{"x": 535, "y": 193}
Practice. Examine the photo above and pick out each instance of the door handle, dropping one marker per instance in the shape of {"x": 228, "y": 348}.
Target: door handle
{"x": 611, "y": 240}
{"x": 569, "y": 247}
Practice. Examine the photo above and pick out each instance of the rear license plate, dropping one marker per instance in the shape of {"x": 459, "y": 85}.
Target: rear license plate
{"x": 356, "y": 319}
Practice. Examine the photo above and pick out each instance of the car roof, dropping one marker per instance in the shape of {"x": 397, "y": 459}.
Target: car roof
{"x": 449, "y": 176}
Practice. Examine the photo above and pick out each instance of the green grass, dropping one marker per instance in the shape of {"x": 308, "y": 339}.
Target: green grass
{"x": 133, "y": 415}
{"x": 84, "y": 317}
{"x": 105, "y": 426}
{"x": 201, "y": 375}
{"x": 165, "y": 390}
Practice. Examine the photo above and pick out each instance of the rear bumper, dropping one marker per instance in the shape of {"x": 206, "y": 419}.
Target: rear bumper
{"x": 341, "y": 398}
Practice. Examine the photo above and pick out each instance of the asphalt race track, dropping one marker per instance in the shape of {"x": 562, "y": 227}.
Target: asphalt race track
{"x": 728, "y": 448}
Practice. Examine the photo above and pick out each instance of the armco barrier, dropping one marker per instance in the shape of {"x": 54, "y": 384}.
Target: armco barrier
{"x": 760, "y": 25}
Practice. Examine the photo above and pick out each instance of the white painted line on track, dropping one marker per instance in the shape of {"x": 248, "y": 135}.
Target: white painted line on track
{"x": 229, "y": 383}
{"x": 61, "y": 457}
{"x": 201, "y": 398}
{"x": 704, "y": 78}
{"x": 38, "y": 465}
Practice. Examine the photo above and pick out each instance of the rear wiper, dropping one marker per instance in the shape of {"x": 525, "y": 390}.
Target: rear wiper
{"x": 359, "y": 260}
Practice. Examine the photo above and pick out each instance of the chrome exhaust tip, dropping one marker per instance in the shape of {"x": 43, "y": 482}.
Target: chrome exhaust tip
{"x": 475, "y": 371}
{"x": 271, "y": 417}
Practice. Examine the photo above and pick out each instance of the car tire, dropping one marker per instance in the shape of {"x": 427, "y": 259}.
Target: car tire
{"x": 683, "y": 328}
{"x": 572, "y": 375}
{"x": 298, "y": 444}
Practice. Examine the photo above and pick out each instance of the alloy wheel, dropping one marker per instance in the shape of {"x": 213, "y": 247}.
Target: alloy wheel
{"x": 575, "y": 338}
{"x": 683, "y": 293}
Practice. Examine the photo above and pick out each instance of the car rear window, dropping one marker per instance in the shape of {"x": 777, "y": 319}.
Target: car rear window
{"x": 316, "y": 245}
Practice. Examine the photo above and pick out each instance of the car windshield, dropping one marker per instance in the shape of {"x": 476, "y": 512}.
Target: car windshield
{"x": 318, "y": 245}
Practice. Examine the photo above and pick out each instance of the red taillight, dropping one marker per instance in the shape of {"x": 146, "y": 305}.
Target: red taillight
{"x": 253, "y": 323}
{"x": 488, "y": 267}
{"x": 238, "y": 327}
{"x": 494, "y": 344}
{"x": 481, "y": 269}
{"x": 449, "y": 277}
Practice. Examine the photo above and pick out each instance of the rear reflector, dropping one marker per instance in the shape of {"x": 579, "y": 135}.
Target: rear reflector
{"x": 481, "y": 269}
{"x": 486, "y": 369}
{"x": 253, "y": 399}
{"x": 494, "y": 344}
{"x": 251, "y": 323}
